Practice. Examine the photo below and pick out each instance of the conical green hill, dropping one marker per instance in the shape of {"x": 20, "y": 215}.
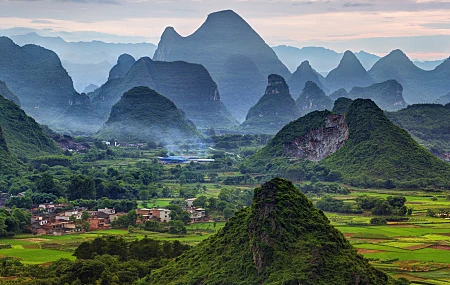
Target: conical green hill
{"x": 143, "y": 114}
{"x": 280, "y": 239}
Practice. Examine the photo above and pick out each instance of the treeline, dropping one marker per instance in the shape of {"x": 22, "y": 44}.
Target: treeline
{"x": 391, "y": 206}
{"x": 104, "y": 260}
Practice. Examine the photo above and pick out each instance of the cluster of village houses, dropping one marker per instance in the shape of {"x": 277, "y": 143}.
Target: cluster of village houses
{"x": 51, "y": 219}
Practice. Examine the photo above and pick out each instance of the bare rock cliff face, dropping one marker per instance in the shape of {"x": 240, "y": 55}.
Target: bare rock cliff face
{"x": 320, "y": 143}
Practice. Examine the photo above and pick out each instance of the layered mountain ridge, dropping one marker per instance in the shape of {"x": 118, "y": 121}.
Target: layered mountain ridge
{"x": 221, "y": 37}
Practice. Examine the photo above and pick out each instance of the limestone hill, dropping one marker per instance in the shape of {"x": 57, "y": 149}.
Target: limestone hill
{"x": 348, "y": 74}
{"x": 24, "y": 137}
{"x": 360, "y": 142}
{"x": 280, "y": 239}
{"x": 303, "y": 74}
{"x": 427, "y": 123}
{"x": 313, "y": 98}
{"x": 275, "y": 109}
{"x": 188, "y": 85}
{"x": 387, "y": 95}
{"x": 144, "y": 115}
{"x": 35, "y": 75}
{"x": 223, "y": 36}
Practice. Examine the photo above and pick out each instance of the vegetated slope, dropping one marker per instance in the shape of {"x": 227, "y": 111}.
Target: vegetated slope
{"x": 429, "y": 124}
{"x": 341, "y": 105}
{"x": 80, "y": 118}
{"x": 221, "y": 37}
{"x": 303, "y": 74}
{"x": 348, "y": 74}
{"x": 277, "y": 150}
{"x": 36, "y": 76}
{"x": 313, "y": 98}
{"x": 144, "y": 115}
{"x": 275, "y": 109}
{"x": 419, "y": 86}
{"x": 7, "y": 162}
{"x": 24, "y": 137}
{"x": 360, "y": 143}
{"x": 5, "y": 92}
{"x": 379, "y": 149}
{"x": 387, "y": 95}
{"x": 188, "y": 85}
{"x": 280, "y": 239}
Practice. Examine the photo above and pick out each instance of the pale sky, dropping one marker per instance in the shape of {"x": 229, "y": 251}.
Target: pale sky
{"x": 419, "y": 27}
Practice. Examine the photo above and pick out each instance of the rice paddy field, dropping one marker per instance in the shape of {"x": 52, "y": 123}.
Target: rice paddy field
{"x": 418, "y": 249}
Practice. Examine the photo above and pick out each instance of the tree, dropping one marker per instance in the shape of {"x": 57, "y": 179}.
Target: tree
{"x": 81, "y": 187}
{"x": 86, "y": 226}
{"x": 228, "y": 213}
{"x": 177, "y": 227}
{"x": 85, "y": 216}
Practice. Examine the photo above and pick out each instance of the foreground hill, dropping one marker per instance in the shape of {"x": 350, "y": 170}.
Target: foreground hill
{"x": 280, "y": 239}
{"x": 387, "y": 95}
{"x": 24, "y": 137}
{"x": 429, "y": 124}
{"x": 144, "y": 115}
{"x": 348, "y": 74}
{"x": 275, "y": 109}
{"x": 313, "y": 98}
{"x": 223, "y": 36}
{"x": 36, "y": 76}
{"x": 188, "y": 85}
{"x": 360, "y": 143}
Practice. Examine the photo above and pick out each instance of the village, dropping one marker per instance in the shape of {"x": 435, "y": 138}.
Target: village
{"x": 54, "y": 219}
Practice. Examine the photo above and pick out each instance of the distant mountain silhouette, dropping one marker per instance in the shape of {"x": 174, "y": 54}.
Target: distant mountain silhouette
{"x": 341, "y": 93}
{"x": 321, "y": 59}
{"x": 419, "y": 86}
{"x": 188, "y": 85}
{"x": 124, "y": 64}
{"x": 313, "y": 98}
{"x": 387, "y": 95}
{"x": 81, "y": 57}
{"x": 348, "y": 74}
{"x": 36, "y": 76}
{"x": 303, "y": 74}
{"x": 144, "y": 115}
{"x": 275, "y": 109}
{"x": 222, "y": 36}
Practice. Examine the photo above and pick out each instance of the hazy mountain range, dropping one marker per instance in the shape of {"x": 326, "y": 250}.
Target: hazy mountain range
{"x": 86, "y": 62}
{"x": 324, "y": 60}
